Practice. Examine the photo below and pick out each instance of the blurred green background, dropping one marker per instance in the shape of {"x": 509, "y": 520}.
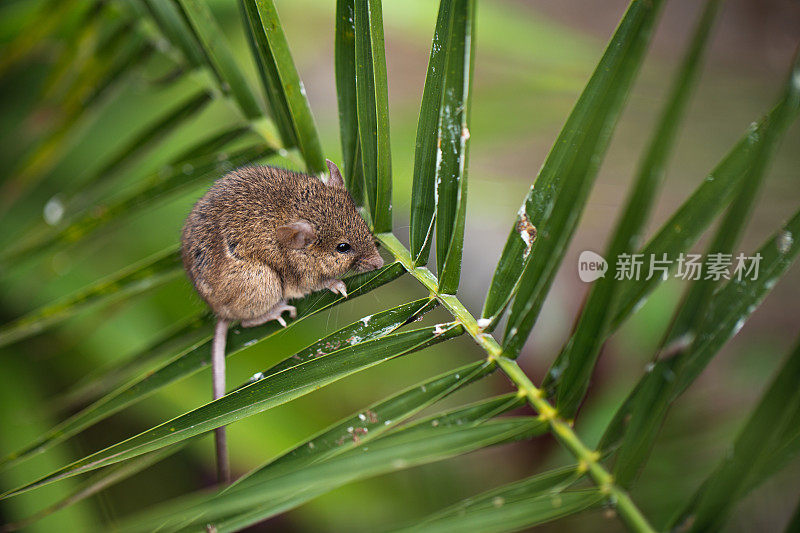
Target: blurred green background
{"x": 533, "y": 58}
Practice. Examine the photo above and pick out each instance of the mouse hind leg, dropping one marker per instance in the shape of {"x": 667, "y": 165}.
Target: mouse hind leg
{"x": 251, "y": 294}
{"x": 273, "y": 314}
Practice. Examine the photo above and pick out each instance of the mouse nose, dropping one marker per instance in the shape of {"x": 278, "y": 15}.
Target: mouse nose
{"x": 372, "y": 262}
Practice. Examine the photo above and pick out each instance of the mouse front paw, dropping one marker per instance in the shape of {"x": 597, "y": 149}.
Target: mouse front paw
{"x": 337, "y": 286}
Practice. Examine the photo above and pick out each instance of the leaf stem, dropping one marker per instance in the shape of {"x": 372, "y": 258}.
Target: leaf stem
{"x": 589, "y": 460}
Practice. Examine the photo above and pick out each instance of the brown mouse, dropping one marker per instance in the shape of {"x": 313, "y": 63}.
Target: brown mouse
{"x": 263, "y": 235}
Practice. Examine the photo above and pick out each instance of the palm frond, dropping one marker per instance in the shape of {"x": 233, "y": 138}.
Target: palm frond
{"x": 186, "y": 58}
{"x": 552, "y": 208}
{"x": 575, "y": 363}
{"x": 372, "y": 110}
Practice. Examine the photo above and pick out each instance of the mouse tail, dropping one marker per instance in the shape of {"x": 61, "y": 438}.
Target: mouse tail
{"x": 218, "y": 370}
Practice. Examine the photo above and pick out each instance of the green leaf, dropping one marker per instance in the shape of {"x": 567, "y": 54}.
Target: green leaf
{"x": 547, "y": 483}
{"x": 699, "y": 210}
{"x": 97, "y": 483}
{"x": 145, "y": 194}
{"x": 193, "y": 358}
{"x": 80, "y": 105}
{"x": 221, "y": 57}
{"x": 399, "y": 449}
{"x": 121, "y": 65}
{"x": 277, "y": 67}
{"x": 211, "y": 145}
{"x": 173, "y": 25}
{"x": 97, "y": 29}
{"x": 368, "y": 328}
{"x": 276, "y": 506}
{"x": 636, "y": 423}
{"x": 259, "y": 396}
{"x": 693, "y": 306}
{"x": 360, "y": 430}
{"x": 474, "y": 413}
{"x": 104, "y": 38}
{"x": 44, "y": 24}
{"x": 424, "y": 188}
{"x": 80, "y": 193}
{"x": 748, "y": 159}
{"x": 575, "y": 363}
{"x": 520, "y": 512}
{"x": 369, "y": 423}
{"x": 175, "y": 179}
{"x": 103, "y": 380}
{"x": 737, "y": 299}
{"x": 555, "y": 202}
{"x": 391, "y": 452}
{"x": 449, "y": 68}
{"x": 135, "y": 279}
{"x": 268, "y": 74}
{"x": 771, "y": 426}
{"x": 345, "y": 58}
{"x": 373, "y": 112}
{"x": 452, "y": 135}
{"x": 689, "y": 222}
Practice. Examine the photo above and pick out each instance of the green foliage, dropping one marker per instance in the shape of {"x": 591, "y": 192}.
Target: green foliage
{"x": 551, "y": 210}
{"x": 186, "y": 44}
{"x": 440, "y": 179}
{"x": 281, "y": 83}
{"x": 372, "y": 110}
{"x": 768, "y": 439}
{"x": 575, "y": 363}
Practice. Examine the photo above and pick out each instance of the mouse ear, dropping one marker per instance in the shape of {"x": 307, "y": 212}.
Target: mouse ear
{"x": 335, "y": 177}
{"x": 296, "y": 234}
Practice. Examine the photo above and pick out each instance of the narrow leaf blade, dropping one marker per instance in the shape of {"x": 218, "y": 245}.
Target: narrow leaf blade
{"x": 138, "y": 278}
{"x": 764, "y": 431}
{"x": 105, "y": 379}
{"x": 697, "y": 212}
{"x": 452, "y": 148}
{"x": 345, "y": 59}
{"x": 391, "y": 452}
{"x": 637, "y": 422}
{"x": 369, "y": 423}
{"x": 256, "y": 397}
{"x": 373, "y": 111}
{"x": 647, "y": 404}
{"x": 692, "y": 308}
{"x": 172, "y": 24}
{"x": 554, "y": 203}
{"x": 365, "y": 427}
{"x": 194, "y": 358}
{"x": 519, "y": 513}
{"x": 95, "y": 484}
{"x": 268, "y": 73}
{"x": 575, "y": 363}
{"x": 144, "y": 195}
{"x": 264, "y": 21}
{"x": 551, "y": 482}
{"x": 424, "y": 188}
{"x": 221, "y": 56}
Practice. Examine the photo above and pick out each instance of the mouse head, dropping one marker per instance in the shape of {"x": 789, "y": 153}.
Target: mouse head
{"x": 331, "y": 237}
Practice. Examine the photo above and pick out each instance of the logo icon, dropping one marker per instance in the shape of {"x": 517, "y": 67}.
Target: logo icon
{"x": 591, "y": 266}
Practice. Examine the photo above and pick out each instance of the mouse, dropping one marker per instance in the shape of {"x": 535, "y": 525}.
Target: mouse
{"x": 262, "y": 236}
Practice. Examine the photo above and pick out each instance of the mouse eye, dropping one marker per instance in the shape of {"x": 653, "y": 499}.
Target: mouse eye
{"x": 342, "y": 247}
